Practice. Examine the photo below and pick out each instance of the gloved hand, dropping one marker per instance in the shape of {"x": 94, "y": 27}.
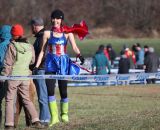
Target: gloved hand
{"x": 109, "y": 72}
{"x": 81, "y": 58}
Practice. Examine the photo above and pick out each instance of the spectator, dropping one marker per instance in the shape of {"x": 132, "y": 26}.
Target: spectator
{"x": 106, "y": 53}
{"x": 19, "y": 52}
{"x": 124, "y": 64}
{"x": 135, "y": 52}
{"x": 151, "y": 64}
{"x": 100, "y": 62}
{"x": 146, "y": 50}
{"x": 134, "y": 48}
{"x": 111, "y": 53}
{"x": 37, "y": 25}
{"x": 131, "y": 56}
{"x": 19, "y": 104}
{"x": 5, "y": 37}
{"x": 140, "y": 58}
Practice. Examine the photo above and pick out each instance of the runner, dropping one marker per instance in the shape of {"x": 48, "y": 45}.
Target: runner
{"x": 58, "y": 62}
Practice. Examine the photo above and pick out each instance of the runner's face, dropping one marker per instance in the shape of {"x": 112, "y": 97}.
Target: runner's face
{"x": 56, "y": 22}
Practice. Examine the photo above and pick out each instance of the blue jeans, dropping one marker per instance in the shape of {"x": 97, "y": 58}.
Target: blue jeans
{"x": 42, "y": 93}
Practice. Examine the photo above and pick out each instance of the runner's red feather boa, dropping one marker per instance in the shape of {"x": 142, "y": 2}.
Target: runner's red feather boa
{"x": 80, "y": 29}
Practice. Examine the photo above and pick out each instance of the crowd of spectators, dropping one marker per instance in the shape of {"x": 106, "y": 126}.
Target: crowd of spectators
{"x": 137, "y": 57}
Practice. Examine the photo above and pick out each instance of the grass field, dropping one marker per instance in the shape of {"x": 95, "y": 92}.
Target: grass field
{"x": 89, "y": 47}
{"x": 111, "y": 108}
{"x": 135, "y": 107}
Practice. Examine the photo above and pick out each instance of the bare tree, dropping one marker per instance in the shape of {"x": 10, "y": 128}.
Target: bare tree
{"x": 143, "y": 15}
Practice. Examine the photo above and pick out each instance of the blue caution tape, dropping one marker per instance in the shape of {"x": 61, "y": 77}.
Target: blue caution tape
{"x": 89, "y": 78}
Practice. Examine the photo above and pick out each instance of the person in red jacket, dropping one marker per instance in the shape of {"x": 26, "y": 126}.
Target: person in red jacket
{"x": 131, "y": 56}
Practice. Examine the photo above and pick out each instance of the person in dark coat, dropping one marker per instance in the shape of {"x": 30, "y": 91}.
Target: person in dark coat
{"x": 124, "y": 64}
{"x": 151, "y": 64}
{"x": 37, "y": 25}
{"x": 111, "y": 53}
{"x": 146, "y": 50}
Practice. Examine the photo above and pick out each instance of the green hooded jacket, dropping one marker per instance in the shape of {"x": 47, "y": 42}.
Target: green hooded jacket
{"x": 100, "y": 61}
{"x": 23, "y": 59}
{"x": 18, "y": 58}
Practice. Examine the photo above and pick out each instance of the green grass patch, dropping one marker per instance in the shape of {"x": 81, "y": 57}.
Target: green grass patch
{"x": 89, "y": 47}
{"x": 111, "y": 108}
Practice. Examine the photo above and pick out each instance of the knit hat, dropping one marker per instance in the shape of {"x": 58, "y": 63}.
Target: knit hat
{"x": 37, "y": 21}
{"x": 57, "y": 14}
{"x": 109, "y": 46}
{"x": 17, "y": 30}
{"x": 146, "y": 46}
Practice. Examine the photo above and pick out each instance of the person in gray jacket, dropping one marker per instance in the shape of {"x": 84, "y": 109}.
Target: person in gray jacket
{"x": 151, "y": 64}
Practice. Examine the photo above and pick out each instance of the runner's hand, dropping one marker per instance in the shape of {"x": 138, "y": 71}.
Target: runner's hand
{"x": 81, "y": 58}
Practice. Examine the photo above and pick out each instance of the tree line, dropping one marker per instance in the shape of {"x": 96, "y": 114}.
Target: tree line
{"x": 121, "y": 16}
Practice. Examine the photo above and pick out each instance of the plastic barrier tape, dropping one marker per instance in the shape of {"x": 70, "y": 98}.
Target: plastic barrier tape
{"x": 89, "y": 78}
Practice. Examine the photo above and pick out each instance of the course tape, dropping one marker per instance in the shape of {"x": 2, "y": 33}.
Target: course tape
{"x": 89, "y": 78}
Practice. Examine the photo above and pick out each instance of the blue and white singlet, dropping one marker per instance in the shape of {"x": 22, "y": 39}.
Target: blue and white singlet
{"x": 57, "y": 60}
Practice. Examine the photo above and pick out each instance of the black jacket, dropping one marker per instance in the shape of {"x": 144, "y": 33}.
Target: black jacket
{"x": 151, "y": 62}
{"x": 37, "y": 47}
{"x": 124, "y": 65}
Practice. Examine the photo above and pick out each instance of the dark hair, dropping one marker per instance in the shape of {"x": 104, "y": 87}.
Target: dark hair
{"x": 109, "y": 46}
{"x": 134, "y": 48}
{"x": 57, "y": 14}
{"x": 138, "y": 45}
{"x": 122, "y": 52}
{"x": 21, "y": 39}
{"x": 146, "y": 46}
{"x": 101, "y": 48}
